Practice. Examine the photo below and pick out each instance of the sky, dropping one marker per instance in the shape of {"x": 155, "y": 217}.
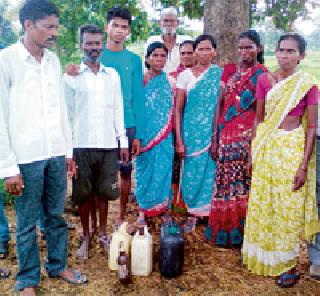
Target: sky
{"x": 306, "y": 26}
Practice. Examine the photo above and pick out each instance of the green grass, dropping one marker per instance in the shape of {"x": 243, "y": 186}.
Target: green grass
{"x": 310, "y": 64}
{"x": 7, "y": 199}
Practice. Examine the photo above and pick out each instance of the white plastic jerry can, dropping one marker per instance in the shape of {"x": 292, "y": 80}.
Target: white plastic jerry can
{"x": 141, "y": 252}
{"x": 118, "y": 236}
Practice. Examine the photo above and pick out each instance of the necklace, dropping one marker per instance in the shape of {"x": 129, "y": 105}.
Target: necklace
{"x": 198, "y": 70}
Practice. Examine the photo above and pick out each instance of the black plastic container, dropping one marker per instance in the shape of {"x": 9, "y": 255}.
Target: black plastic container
{"x": 171, "y": 254}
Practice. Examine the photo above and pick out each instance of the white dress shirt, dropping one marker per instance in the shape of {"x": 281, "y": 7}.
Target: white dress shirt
{"x": 33, "y": 116}
{"x": 173, "y": 60}
{"x": 95, "y": 108}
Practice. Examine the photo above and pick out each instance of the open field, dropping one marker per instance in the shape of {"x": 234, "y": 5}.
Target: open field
{"x": 310, "y": 64}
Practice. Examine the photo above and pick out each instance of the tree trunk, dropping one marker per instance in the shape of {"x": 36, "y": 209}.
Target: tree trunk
{"x": 225, "y": 20}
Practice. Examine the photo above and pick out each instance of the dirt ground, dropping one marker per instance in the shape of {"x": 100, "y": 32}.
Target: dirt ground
{"x": 208, "y": 270}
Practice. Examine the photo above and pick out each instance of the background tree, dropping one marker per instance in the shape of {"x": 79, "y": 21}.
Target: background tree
{"x": 236, "y": 19}
{"x": 285, "y": 12}
{"x": 75, "y": 13}
{"x": 7, "y": 36}
{"x": 225, "y": 19}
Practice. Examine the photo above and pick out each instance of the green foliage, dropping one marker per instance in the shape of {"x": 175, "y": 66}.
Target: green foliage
{"x": 191, "y": 8}
{"x": 7, "y": 198}
{"x": 7, "y": 36}
{"x": 283, "y": 12}
{"x": 75, "y": 13}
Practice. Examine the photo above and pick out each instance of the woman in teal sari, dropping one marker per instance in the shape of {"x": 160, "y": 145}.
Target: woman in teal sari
{"x": 197, "y": 94}
{"x": 154, "y": 164}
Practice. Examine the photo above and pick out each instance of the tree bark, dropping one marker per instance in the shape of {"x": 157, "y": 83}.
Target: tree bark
{"x": 225, "y": 20}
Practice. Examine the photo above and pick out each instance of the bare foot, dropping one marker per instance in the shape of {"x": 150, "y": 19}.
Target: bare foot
{"x": 73, "y": 276}
{"x": 29, "y": 291}
{"x": 104, "y": 241}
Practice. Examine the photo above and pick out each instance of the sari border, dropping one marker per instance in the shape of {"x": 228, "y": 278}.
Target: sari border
{"x": 287, "y": 109}
{"x": 197, "y": 153}
{"x": 157, "y": 209}
{"x": 202, "y": 211}
{"x": 238, "y": 90}
{"x": 163, "y": 133}
{"x": 203, "y": 76}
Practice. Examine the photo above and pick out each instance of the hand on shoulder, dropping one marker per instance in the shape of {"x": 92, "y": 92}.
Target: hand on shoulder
{"x": 72, "y": 69}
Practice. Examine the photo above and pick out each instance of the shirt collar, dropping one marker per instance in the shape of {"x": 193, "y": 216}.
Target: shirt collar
{"x": 179, "y": 39}
{"x": 25, "y": 54}
{"x": 84, "y": 68}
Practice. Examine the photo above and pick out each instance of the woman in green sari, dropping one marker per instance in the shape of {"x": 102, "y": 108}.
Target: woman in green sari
{"x": 197, "y": 94}
{"x": 154, "y": 164}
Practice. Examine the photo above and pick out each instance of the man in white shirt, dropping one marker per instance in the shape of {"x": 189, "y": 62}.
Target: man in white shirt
{"x": 34, "y": 142}
{"x": 95, "y": 108}
{"x": 168, "y": 24}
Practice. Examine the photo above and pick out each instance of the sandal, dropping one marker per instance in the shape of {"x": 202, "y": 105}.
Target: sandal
{"x": 4, "y": 273}
{"x": 314, "y": 272}
{"x": 77, "y": 279}
{"x": 104, "y": 241}
{"x": 284, "y": 277}
{"x": 71, "y": 226}
{"x": 83, "y": 252}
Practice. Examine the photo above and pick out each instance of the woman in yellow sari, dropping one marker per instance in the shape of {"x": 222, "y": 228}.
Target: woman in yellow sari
{"x": 282, "y": 202}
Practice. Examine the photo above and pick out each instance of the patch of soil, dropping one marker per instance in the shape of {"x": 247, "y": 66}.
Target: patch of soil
{"x": 208, "y": 270}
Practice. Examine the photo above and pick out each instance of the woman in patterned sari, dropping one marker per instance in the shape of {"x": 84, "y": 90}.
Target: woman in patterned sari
{"x": 231, "y": 142}
{"x": 282, "y": 203}
{"x": 154, "y": 164}
{"x": 197, "y": 95}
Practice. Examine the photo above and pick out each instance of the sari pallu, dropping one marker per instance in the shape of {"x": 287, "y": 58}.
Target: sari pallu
{"x": 231, "y": 189}
{"x": 278, "y": 217}
{"x": 154, "y": 164}
{"x": 198, "y": 170}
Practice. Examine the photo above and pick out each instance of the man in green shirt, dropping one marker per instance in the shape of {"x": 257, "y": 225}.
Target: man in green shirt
{"x": 129, "y": 67}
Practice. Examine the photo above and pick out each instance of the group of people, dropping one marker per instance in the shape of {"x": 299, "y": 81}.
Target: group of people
{"x": 233, "y": 145}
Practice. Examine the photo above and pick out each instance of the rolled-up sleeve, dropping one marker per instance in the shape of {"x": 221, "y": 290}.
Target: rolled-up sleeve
{"x": 8, "y": 161}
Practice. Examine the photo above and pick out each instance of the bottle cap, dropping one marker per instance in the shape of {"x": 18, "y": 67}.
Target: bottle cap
{"x": 173, "y": 230}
